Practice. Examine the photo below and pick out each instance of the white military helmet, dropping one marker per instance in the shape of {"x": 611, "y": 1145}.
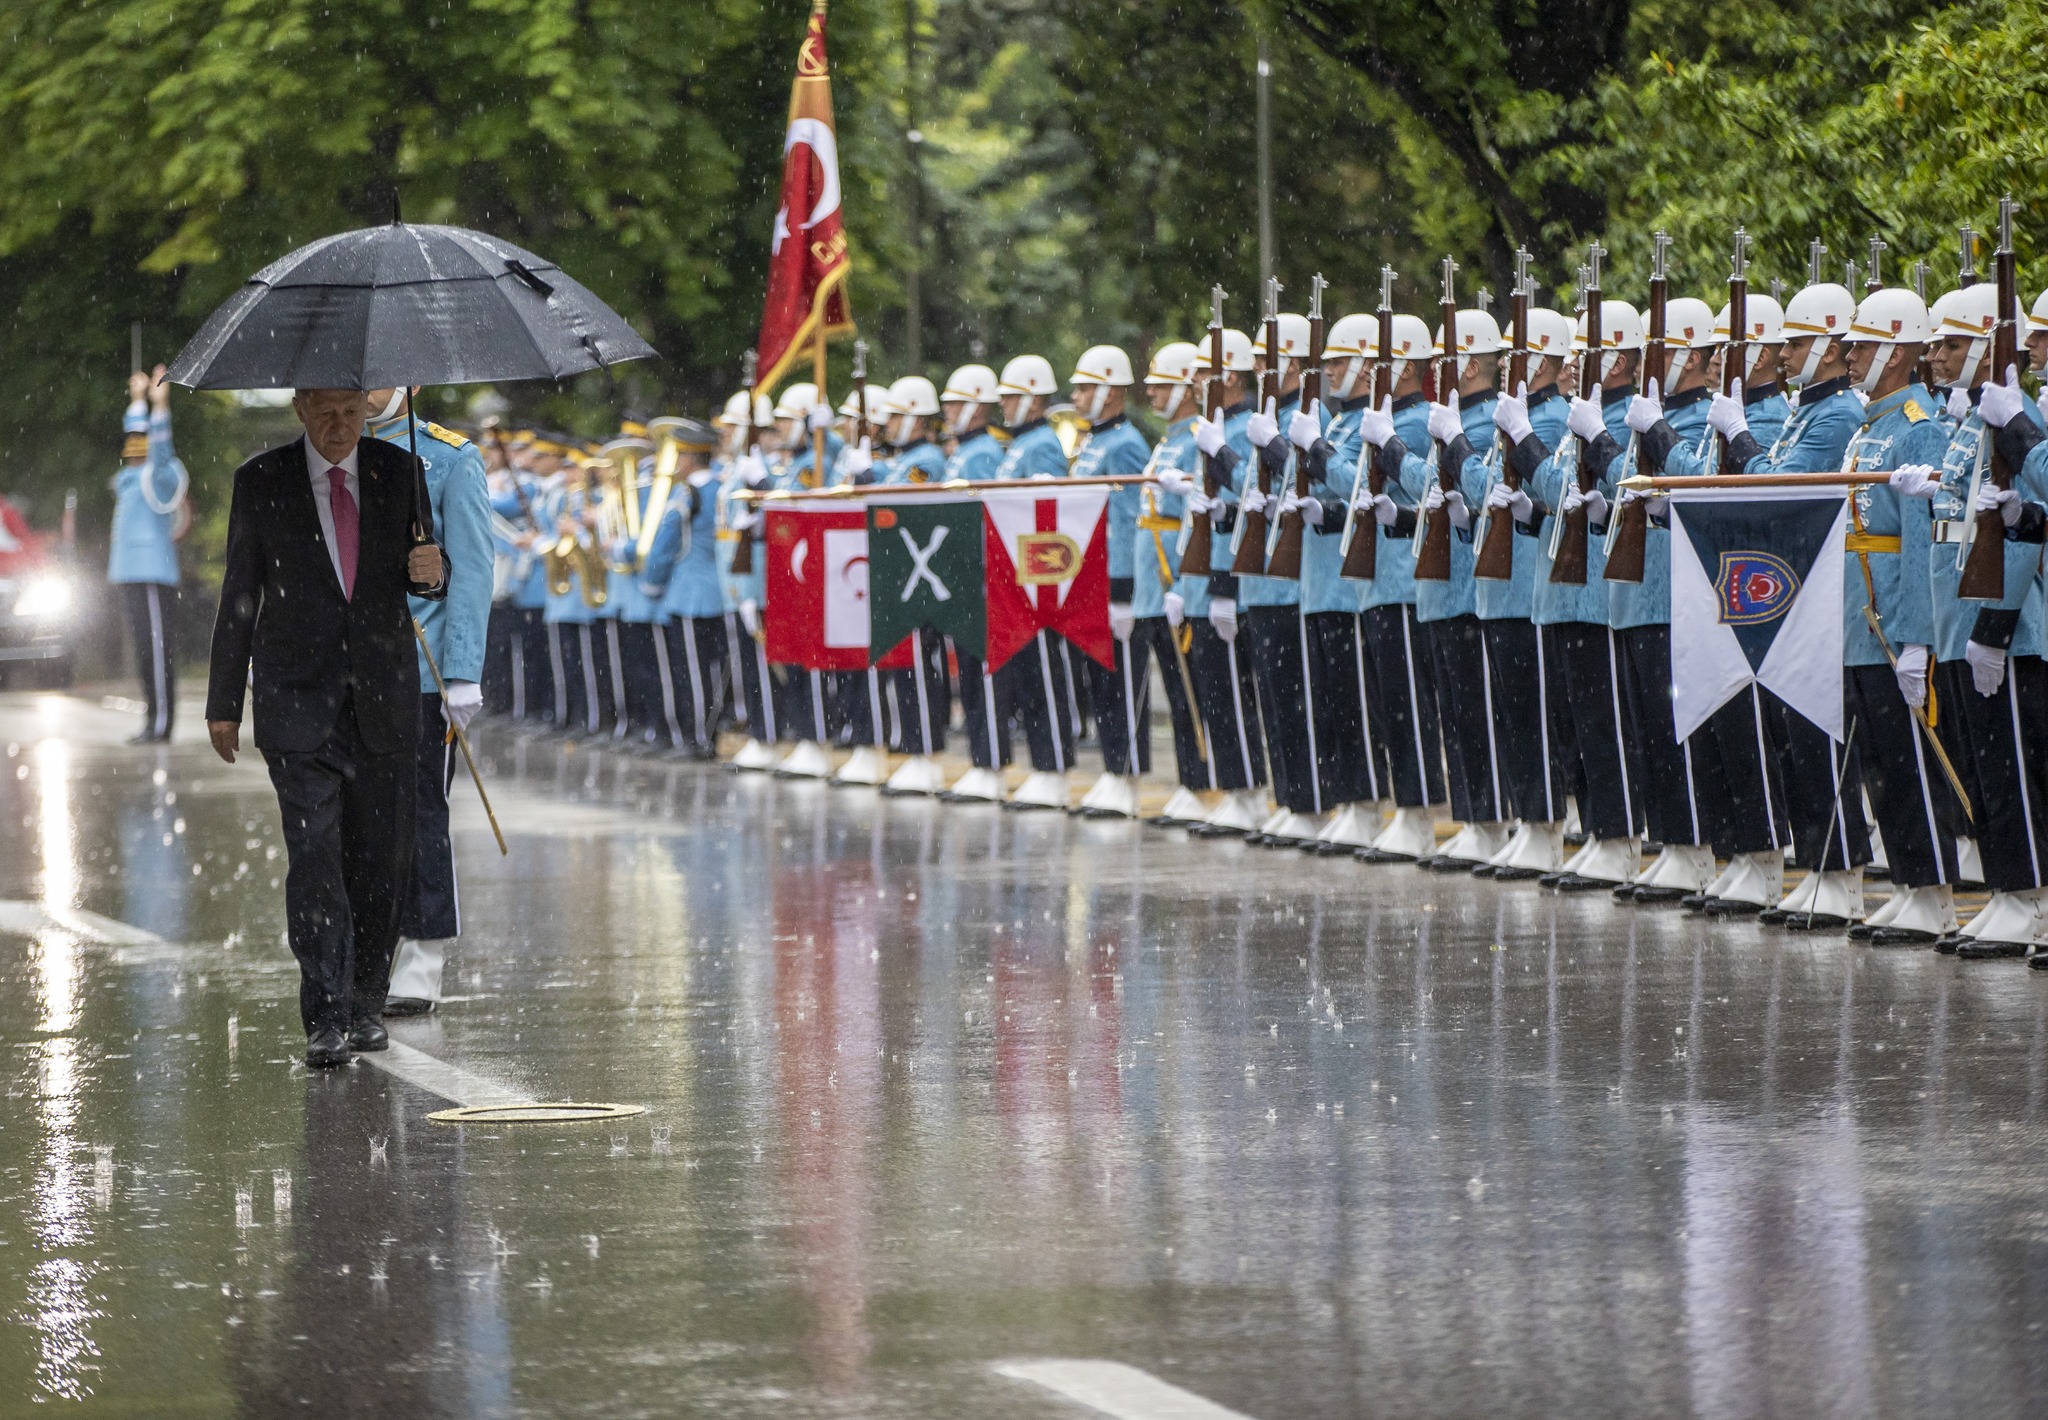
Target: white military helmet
{"x": 913, "y": 394}
{"x": 1550, "y": 332}
{"x": 1173, "y": 364}
{"x": 1237, "y": 352}
{"x": 1102, "y": 365}
{"x": 1688, "y": 326}
{"x": 2037, "y": 318}
{"x": 1293, "y": 330}
{"x": 1823, "y": 311}
{"x": 1028, "y": 374}
{"x": 796, "y": 400}
{"x": 1621, "y": 328}
{"x": 1478, "y": 334}
{"x": 1766, "y": 321}
{"x": 1970, "y": 311}
{"x": 875, "y": 400}
{"x": 1351, "y": 340}
{"x": 971, "y": 384}
{"x": 735, "y": 415}
{"x": 1893, "y": 317}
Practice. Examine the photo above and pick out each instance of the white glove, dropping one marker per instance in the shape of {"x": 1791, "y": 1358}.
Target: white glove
{"x": 1200, "y": 503}
{"x": 1121, "y": 621}
{"x": 1657, "y": 502}
{"x": 1383, "y": 509}
{"x": 1912, "y": 674}
{"x": 1251, "y": 500}
{"x": 1311, "y": 509}
{"x": 1174, "y": 481}
{"x": 753, "y": 473}
{"x": 1377, "y": 425}
{"x": 750, "y": 616}
{"x": 1444, "y": 423}
{"x": 820, "y": 417}
{"x": 1223, "y": 616}
{"x": 2005, "y": 500}
{"x": 1915, "y": 480}
{"x": 1513, "y": 499}
{"x": 1645, "y": 410}
{"x": 860, "y": 458}
{"x": 1592, "y": 500}
{"x": 1209, "y": 436}
{"x": 1435, "y": 498}
{"x": 1511, "y": 415}
{"x": 744, "y": 520}
{"x": 463, "y": 698}
{"x": 1303, "y": 430}
{"x": 1999, "y": 403}
{"x": 1585, "y": 419}
{"x": 1727, "y": 414}
{"x": 1176, "y": 609}
{"x": 1987, "y": 667}
{"x": 1264, "y": 428}
{"x": 1959, "y": 405}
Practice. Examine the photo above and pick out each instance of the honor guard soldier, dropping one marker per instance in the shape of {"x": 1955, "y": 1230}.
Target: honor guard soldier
{"x": 1155, "y": 567}
{"x": 454, "y": 627}
{"x": 1400, "y": 676}
{"x": 921, "y": 694}
{"x": 1671, "y": 413}
{"x": 741, "y": 581}
{"x": 1585, "y": 646}
{"x": 858, "y": 706}
{"x": 142, "y": 553}
{"x": 503, "y": 693}
{"x": 1538, "y": 451}
{"x": 1888, "y": 634}
{"x": 1101, "y": 385}
{"x": 1224, "y": 686}
{"x": 802, "y": 715}
{"x": 971, "y": 398}
{"x": 1042, "y": 683}
{"x": 681, "y": 573}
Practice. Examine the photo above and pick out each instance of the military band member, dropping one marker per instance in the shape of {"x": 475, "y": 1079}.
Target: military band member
{"x": 747, "y": 471}
{"x": 804, "y": 715}
{"x": 859, "y": 708}
{"x": 142, "y": 553}
{"x": 921, "y": 695}
{"x": 537, "y": 475}
{"x": 970, "y": 400}
{"x": 680, "y": 577}
{"x": 638, "y": 621}
{"x": 454, "y": 627}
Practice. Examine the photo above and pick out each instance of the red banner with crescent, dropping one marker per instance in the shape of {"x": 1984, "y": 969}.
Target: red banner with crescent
{"x": 1047, "y": 565}
{"x": 807, "y": 259}
{"x": 817, "y": 584}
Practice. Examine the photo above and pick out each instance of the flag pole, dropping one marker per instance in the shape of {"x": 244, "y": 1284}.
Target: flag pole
{"x": 818, "y": 377}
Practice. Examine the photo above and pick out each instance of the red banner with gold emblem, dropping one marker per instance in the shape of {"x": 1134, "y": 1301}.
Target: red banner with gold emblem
{"x": 807, "y": 260}
{"x": 1048, "y": 568}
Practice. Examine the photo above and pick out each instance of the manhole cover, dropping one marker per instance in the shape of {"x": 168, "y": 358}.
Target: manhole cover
{"x": 565, "y": 1112}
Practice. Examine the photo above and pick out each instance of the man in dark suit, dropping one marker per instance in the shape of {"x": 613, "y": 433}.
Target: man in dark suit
{"x": 326, "y": 537}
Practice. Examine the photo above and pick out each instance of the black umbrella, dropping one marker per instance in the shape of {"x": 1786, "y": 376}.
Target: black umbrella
{"x": 405, "y": 305}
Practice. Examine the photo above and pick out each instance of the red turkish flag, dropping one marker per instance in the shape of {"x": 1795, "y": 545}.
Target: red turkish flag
{"x": 1048, "y": 568}
{"x": 817, "y": 583}
{"x": 807, "y": 261}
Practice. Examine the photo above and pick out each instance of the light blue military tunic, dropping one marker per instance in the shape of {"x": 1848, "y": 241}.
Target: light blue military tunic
{"x": 1898, "y": 429}
{"x": 1116, "y": 448}
{"x": 1332, "y": 485}
{"x": 631, "y": 600}
{"x": 1555, "y": 603}
{"x": 529, "y": 570}
{"x": 460, "y": 497}
{"x": 921, "y": 462}
{"x": 792, "y": 473}
{"x": 1513, "y": 596}
{"x": 1176, "y": 451}
{"x": 146, "y": 499}
{"x": 1434, "y": 601}
{"x": 1266, "y": 591}
{"x": 1768, "y": 412}
{"x": 977, "y": 458}
{"x": 1393, "y": 582}
{"x": 1034, "y": 452}
{"x": 682, "y": 568}
{"x": 735, "y": 588}
{"x": 1648, "y": 602}
{"x": 1955, "y": 620}
{"x": 566, "y": 608}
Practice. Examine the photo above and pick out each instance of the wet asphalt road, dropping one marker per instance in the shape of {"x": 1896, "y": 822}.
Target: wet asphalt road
{"x": 933, "y": 1087}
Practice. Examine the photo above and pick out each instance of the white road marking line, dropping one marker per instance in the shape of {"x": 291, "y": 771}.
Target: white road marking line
{"x": 1116, "y": 1389}
{"x": 438, "y": 1077}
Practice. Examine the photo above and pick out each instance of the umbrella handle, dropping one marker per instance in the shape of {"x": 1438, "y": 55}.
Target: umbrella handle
{"x": 422, "y": 503}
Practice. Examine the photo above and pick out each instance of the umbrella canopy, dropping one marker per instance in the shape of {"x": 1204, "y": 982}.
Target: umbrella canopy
{"x": 405, "y": 305}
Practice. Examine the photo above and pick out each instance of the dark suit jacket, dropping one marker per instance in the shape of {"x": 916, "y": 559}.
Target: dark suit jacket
{"x": 281, "y": 607}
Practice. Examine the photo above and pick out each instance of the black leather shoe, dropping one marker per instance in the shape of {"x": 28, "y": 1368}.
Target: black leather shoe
{"x": 1516, "y": 875}
{"x": 1901, "y": 937}
{"x": 2038, "y": 961}
{"x": 1574, "y": 882}
{"x": 1861, "y": 932}
{"x": 407, "y": 1006}
{"x": 1947, "y": 945}
{"x": 1975, "y": 949}
{"x": 1484, "y": 870}
{"x": 366, "y": 1036}
{"x": 1730, "y": 907}
{"x": 1657, "y": 895}
{"x": 1552, "y": 879}
{"x": 1624, "y": 892}
{"x": 1695, "y": 902}
{"x": 1772, "y": 916}
{"x": 1812, "y": 922}
{"x": 326, "y": 1049}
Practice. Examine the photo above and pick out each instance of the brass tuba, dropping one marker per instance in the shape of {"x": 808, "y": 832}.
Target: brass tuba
{"x": 577, "y": 557}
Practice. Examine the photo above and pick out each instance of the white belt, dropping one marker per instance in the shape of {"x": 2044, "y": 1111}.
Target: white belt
{"x": 1950, "y": 532}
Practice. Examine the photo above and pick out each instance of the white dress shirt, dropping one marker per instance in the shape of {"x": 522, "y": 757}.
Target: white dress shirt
{"x": 317, "y": 464}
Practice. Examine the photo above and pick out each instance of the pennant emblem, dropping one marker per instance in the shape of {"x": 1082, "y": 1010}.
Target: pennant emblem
{"x": 1755, "y": 587}
{"x": 1045, "y": 559}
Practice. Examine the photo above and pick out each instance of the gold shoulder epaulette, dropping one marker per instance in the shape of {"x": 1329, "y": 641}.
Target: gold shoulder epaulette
{"x": 445, "y": 435}
{"x": 1914, "y": 413}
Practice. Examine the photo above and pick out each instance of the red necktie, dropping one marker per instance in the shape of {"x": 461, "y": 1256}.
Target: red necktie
{"x": 345, "y": 531}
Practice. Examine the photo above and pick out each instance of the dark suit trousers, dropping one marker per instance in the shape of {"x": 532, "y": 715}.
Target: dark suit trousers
{"x": 348, "y": 830}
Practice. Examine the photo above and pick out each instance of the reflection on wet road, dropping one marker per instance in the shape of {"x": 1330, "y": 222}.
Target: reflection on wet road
{"x": 933, "y": 1089}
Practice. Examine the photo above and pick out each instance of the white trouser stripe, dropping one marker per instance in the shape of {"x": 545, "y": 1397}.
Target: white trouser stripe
{"x": 1414, "y": 701}
{"x": 561, "y": 676}
{"x": 1628, "y": 805}
{"x": 590, "y": 706}
{"x": 1926, "y": 807}
{"x": 1052, "y": 708}
{"x": 1763, "y": 772}
{"x": 1372, "y": 755}
{"x": 1492, "y": 749}
{"x": 2019, "y": 764}
{"x": 1308, "y": 705}
{"x": 666, "y": 669}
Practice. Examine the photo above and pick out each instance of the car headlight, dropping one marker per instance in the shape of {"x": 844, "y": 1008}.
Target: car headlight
{"x": 43, "y": 597}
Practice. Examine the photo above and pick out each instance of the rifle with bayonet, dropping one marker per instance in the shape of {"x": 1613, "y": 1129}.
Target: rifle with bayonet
{"x": 1496, "y": 559}
{"x": 1433, "y": 555}
{"x": 1285, "y": 560}
{"x": 1983, "y": 576}
{"x": 1568, "y": 566}
{"x": 1361, "y": 550}
{"x": 743, "y": 551}
{"x": 1735, "y": 359}
{"x": 1249, "y": 551}
{"x": 1195, "y": 553}
{"x": 1629, "y": 536}
{"x": 1874, "y": 282}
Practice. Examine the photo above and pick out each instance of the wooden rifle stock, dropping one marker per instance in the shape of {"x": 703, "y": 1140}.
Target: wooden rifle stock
{"x": 1629, "y": 550}
{"x": 1285, "y": 561}
{"x": 1198, "y": 553}
{"x": 1568, "y": 568}
{"x": 1433, "y": 558}
{"x": 1983, "y": 577}
{"x": 1255, "y": 528}
{"x": 1496, "y": 559}
{"x": 743, "y": 551}
{"x": 1362, "y": 557}
{"x": 1735, "y": 358}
